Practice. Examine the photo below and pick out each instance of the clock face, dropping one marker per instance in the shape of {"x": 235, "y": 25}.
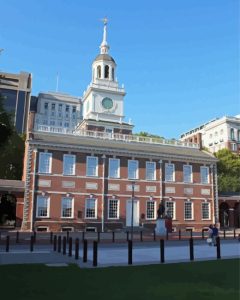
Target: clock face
{"x": 107, "y": 103}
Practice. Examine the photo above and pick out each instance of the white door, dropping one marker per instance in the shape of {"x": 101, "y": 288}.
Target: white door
{"x": 135, "y": 213}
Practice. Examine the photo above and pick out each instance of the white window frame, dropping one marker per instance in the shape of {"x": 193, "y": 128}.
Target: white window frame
{"x": 154, "y": 202}
{"x": 209, "y": 210}
{"x": 72, "y": 208}
{"x": 192, "y": 212}
{"x": 109, "y": 168}
{"x": 146, "y": 168}
{"x": 96, "y": 169}
{"x": 191, "y": 174}
{"x": 201, "y": 174}
{"x": 137, "y": 170}
{"x": 174, "y": 208}
{"x": 95, "y": 217}
{"x": 40, "y": 162}
{"x": 48, "y": 206}
{"x": 109, "y": 200}
{"x": 74, "y": 164}
{"x": 173, "y": 174}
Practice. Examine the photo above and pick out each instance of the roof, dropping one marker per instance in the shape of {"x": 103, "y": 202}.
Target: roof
{"x": 124, "y": 147}
{"x": 104, "y": 57}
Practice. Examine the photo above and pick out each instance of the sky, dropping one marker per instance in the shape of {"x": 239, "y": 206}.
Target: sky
{"x": 178, "y": 59}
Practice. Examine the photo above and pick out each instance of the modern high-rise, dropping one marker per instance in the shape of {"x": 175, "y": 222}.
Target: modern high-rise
{"x": 16, "y": 92}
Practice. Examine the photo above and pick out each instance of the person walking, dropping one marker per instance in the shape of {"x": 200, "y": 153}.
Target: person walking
{"x": 210, "y": 235}
{"x": 215, "y": 234}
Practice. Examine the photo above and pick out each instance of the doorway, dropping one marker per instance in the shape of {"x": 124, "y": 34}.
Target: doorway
{"x": 8, "y": 210}
{"x": 129, "y": 213}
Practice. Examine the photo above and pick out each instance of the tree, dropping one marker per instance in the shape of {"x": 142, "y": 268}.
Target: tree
{"x": 228, "y": 171}
{"x": 5, "y": 123}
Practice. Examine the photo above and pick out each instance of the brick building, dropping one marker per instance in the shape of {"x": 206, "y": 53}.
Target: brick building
{"x": 85, "y": 178}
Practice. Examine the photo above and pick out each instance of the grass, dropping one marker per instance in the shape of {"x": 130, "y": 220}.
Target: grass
{"x": 183, "y": 281}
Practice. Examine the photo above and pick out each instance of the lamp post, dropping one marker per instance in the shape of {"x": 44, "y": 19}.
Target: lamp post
{"x": 133, "y": 185}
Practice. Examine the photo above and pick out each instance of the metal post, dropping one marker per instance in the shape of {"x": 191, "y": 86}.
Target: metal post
{"x": 130, "y": 252}
{"x": 218, "y": 247}
{"x": 59, "y": 243}
{"x": 51, "y": 237}
{"x": 83, "y": 236}
{"x": 76, "y": 248}
{"x": 31, "y": 243}
{"x": 17, "y": 237}
{"x": 67, "y": 236}
{"x": 98, "y": 236}
{"x": 162, "y": 255}
{"x": 34, "y": 236}
{"x": 154, "y": 235}
{"x": 95, "y": 248}
{"x": 167, "y": 234}
{"x": 133, "y": 184}
{"x": 179, "y": 234}
{"x": 224, "y": 234}
{"x": 191, "y": 235}
{"x": 70, "y": 247}
{"x": 55, "y": 243}
{"x": 127, "y": 236}
{"x": 203, "y": 233}
{"x": 85, "y": 246}
{"x": 141, "y": 236}
{"x": 191, "y": 249}
{"x": 234, "y": 233}
{"x": 113, "y": 237}
{"x": 7, "y": 243}
{"x": 64, "y": 245}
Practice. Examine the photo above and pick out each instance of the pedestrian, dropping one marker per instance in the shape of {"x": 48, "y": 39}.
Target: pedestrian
{"x": 210, "y": 235}
{"x": 215, "y": 234}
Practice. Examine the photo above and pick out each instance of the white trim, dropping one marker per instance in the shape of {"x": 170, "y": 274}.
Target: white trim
{"x": 154, "y": 176}
{"x": 174, "y": 208}
{"x": 42, "y": 227}
{"x": 118, "y": 208}
{"x": 191, "y": 173}
{"x": 72, "y": 211}
{"x": 192, "y": 207}
{"x": 165, "y": 172}
{"x": 41, "y": 154}
{"x": 48, "y": 206}
{"x": 153, "y": 201}
{"x": 202, "y": 168}
{"x": 74, "y": 164}
{"x": 137, "y": 170}
{"x": 118, "y": 171}
{"x": 96, "y": 212}
{"x": 96, "y": 175}
{"x": 209, "y": 211}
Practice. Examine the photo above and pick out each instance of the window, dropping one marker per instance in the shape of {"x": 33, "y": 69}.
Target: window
{"x": 60, "y": 107}
{"x": 53, "y": 106}
{"x": 113, "y": 209}
{"x": 112, "y": 73}
{"x": 170, "y": 209}
{"x": 133, "y": 169}
{"x": 151, "y": 210}
{"x": 232, "y": 134}
{"x": 45, "y": 162}
{"x": 234, "y": 147}
{"x": 114, "y": 168}
{"x": 67, "y": 108}
{"x": 42, "y": 206}
{"x": 188, "y": 213}
{"x": 92, "y": 166}
{"x": 52, "y": 123}
{"x": 187, "y": 173}
{"x": 204, "y": 174}
{"x": 106, "y": 72}
{"x": 150, "y": 170}
{"x": 205, "y": 211}
{"x": 90, "y": 209}
{"x": 69, "y": 163}
{"x": 67, "y": 207}
{"x": 74, "y": 109}
{"x": 169, "y": 172}
{"x": 46, "y": 105}
{"x": 99, "y": 72}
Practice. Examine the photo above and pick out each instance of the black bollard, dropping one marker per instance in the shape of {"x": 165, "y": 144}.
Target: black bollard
{"x": 55, "y": 243}
{"x": 51, "y": 237}
{"x": 67, "y": 236}
{"x": 34, "y": 236}
{"x": 162, "y": 255}
{"x": 59, "y": 243}
{"x": 202, "y": 234}
{"x": 95, "y": 248}
{"x": 83, "y": 236}
{"x": 191, "y": 234}
{"x": 76, "y": 248}
{"x": 7, "y": 243}
{"x": 167, "y": 234}
{"x": 98, "y": 236}
{"x": 85, "y": 246}
{"x": 141, "y": 236}
{"x": 224, "y": 234}
{"x": 191, "y": 249}
{"x": 218, "y": 247}
{"x": 234, "y": 233}
{"x": 113, "y": 237}
{"x": 130, "y": 252}
{"x": 31, "y": 243}
{"x": 17, "y": 237}
{"x": 70, "y": 247}
{"x": 127, "y": 236}
{"x": 179, "y": 234}
{"x": 64, "y": 245}
{"x": 154, "y": 235}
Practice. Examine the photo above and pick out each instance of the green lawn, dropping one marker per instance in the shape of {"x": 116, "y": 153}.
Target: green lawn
{"x": 196, "y": 280}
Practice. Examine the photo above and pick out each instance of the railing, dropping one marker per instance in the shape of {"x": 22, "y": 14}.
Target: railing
{"x": 115, "y": 136}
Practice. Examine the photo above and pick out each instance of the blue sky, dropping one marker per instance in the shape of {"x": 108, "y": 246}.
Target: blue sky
{"x": 178, "y": 59}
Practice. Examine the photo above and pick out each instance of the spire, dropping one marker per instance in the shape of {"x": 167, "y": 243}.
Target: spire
{"x": 104, "y": 45}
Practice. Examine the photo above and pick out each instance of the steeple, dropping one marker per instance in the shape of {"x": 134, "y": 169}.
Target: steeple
{"x": 104, "y": 45}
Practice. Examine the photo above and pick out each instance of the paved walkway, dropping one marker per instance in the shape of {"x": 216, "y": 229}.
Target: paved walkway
{"x": 117, "y": 254}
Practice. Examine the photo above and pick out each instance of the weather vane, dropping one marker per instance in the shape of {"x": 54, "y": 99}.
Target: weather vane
{"x": 105, "y": 20}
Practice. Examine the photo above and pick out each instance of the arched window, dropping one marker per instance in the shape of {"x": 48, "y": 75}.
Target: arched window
{"x": 106, "y": 72}
{"x": 112, "y": 73}
{"x": 232, "y": 134}
{"x": 99, "y": 72}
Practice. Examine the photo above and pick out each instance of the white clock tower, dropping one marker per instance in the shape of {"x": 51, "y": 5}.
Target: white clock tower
{"x": 103, "y": 99}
